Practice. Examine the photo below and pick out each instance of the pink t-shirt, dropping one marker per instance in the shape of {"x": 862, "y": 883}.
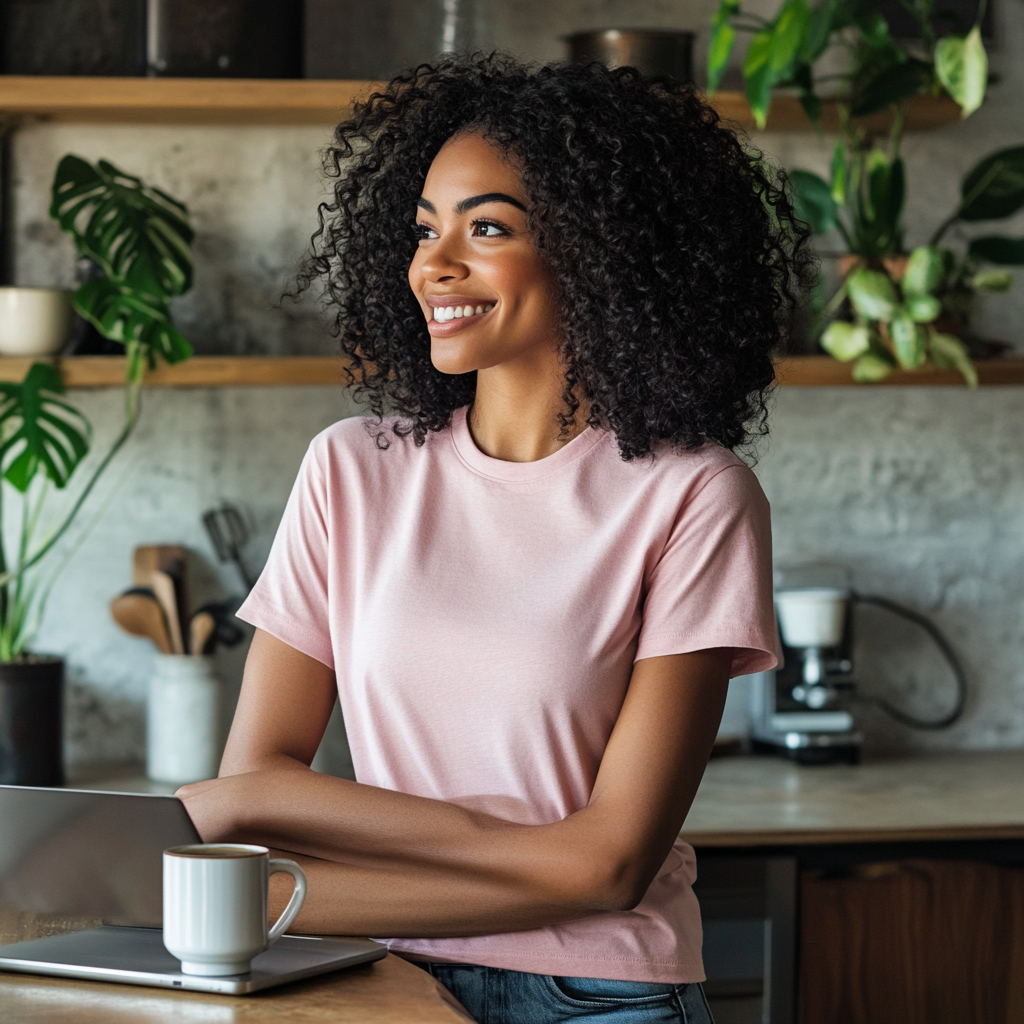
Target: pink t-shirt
{"x": 483, "y": 618}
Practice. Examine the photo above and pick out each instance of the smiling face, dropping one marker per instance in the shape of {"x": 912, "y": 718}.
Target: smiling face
{"x": 488, "y": 295}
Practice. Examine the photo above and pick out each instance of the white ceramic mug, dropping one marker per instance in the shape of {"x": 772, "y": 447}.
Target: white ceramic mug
{"x": 215, "y": 905}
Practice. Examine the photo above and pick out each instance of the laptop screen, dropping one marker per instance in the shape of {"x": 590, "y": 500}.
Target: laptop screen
{"x": 71, "y": 859}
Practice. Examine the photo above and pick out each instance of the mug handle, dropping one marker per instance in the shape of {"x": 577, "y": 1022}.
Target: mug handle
{"x": 294, "y": 904}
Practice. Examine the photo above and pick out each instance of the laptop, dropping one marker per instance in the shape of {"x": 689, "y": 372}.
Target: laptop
{"x": 85, "y": 870}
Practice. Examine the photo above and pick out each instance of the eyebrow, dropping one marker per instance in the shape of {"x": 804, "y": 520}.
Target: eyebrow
{"x": 464, "y": 205}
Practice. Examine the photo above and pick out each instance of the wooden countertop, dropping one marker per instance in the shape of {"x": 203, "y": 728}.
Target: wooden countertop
{"x": 755, "y": 801}
{"x": 391, "y": 991}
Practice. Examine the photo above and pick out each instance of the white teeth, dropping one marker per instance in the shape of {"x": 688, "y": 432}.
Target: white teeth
{"x": 479, "y": 309}
{"x": 449, "y": 313}
{"x": 457, "y": 312}
{"x": 467, "y": 310}
{"x": 487, "y": 309}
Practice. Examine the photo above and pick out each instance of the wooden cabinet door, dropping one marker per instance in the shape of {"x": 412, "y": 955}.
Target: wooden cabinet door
{"x": 912, "y": 942}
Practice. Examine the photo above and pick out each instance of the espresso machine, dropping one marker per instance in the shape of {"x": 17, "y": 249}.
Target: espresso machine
{"x": 801, "y": 709}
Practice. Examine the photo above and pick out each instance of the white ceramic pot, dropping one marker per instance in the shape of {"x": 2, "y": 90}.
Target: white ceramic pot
{"x": 182, "y": 720}
{"x": 34, "y": 321}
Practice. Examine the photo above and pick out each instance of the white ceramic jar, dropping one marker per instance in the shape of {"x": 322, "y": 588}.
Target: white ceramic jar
{"x": 34, "y": 321}
{"x": 183, "y": 720}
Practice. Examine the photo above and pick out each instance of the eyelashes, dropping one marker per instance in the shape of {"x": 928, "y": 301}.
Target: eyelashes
{"x": 482, "y": 228}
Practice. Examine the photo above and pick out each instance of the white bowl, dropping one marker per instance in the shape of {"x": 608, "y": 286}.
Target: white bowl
{"x": 34, "y": 321}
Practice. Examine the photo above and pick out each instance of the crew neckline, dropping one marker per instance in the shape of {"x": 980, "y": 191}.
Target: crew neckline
{"x": 499, "y": 469}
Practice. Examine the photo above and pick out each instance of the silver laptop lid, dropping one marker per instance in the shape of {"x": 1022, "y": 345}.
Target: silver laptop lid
{"x": 70, "y": 859}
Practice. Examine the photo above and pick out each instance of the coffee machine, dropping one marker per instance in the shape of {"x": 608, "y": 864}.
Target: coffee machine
{"x": 801, "y": 709}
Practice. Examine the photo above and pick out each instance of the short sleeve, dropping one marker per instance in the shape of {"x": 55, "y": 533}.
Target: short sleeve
{"x": 290, "y": 599}
{"x": 712, "y": 586}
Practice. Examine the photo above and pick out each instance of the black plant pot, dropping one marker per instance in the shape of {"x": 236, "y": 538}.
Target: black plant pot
{"x": 32, "y": 723}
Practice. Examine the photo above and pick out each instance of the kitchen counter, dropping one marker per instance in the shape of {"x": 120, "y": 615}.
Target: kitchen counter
{"x": 768, "y": 801}
{"x": 391, "y": 991}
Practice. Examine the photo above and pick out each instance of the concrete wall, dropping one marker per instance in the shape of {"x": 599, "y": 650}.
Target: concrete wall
{"x": 919, "y": 491}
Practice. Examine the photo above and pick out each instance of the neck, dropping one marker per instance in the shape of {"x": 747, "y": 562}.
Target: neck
{"x": 515, "y": 418}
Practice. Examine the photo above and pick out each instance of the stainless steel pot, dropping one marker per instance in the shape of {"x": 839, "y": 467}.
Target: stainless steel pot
{"x": 653, "y": 51}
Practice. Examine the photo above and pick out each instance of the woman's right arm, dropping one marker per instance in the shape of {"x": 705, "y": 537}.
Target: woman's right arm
{"x": 397, "y": 864}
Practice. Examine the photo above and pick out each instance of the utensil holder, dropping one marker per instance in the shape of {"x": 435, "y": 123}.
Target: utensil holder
{"x": 182, "y": 721}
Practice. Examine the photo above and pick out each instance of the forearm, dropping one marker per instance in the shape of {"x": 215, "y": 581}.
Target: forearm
{"x": 568, "y": 866}
{"x": 344, "y": 899}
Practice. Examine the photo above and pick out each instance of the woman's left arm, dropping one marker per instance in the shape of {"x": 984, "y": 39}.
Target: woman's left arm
{"x": 381, "y": 862}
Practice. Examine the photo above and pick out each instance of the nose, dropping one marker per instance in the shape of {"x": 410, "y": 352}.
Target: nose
{"x": 442, "y": 261}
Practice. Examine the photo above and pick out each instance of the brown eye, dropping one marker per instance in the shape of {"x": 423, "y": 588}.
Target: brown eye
{"x": 489, "y": 229}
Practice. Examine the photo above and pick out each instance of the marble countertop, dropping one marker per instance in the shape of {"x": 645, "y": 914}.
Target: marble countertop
{"x": 761, "y": 800}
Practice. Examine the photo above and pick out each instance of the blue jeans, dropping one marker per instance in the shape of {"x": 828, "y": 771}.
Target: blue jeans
{"x": 496, "y": 996}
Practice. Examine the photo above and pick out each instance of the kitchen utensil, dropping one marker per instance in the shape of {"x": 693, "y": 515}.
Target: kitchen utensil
{"x": 200, "y": 631}
{"x": 229, "y": 535}
{"x": 226, "y": 633}
{"x": 138, "y": 612}
{"x": 172, "y": 560}
{"x": 653, "y": 51}
{"x": 163, "y": 587}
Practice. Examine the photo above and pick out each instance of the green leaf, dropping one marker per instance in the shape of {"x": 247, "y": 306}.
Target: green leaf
{"x": 994, "y": 188}
{"x": 723, "y": 38}
{"x": 139, "y": 235}
{"x": 788, "y": 35}
{"x": 908, "y": 342}
{"x": 873, "y": 294}
{"x": 820, "y": 26}
{"x": 924, "y": 270}
{"x": 813, "y": 202}
{"x": 896, "y": 83}
{"x": 886, "y": 193}
{"x": 922, "y": 308}
{"x": 845, "y": 341}
{"x": 962, "y": 67}
{"x": 758, "y": 75}
{"x": 992, "y": 281}
{"x": 948, "y": 353}
{"x": 871, "y": 368}
{"x": 40, "y": 432}
{"x": 121, "y": 315}
{"x": 839, "y": 173}
{"x": 996, "y": 249}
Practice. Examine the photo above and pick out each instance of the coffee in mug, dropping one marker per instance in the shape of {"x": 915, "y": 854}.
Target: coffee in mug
{"x": 215, "y": 905}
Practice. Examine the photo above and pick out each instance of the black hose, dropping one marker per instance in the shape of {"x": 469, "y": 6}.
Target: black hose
{"x": 947, "y": 652}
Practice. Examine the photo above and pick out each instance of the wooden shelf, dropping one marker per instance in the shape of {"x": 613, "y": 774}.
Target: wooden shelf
{"x": 328, "y": 371}
{"x": 309, "y": 101}
{"x": 197, "y": 372}
{"x": 823, "y": 371}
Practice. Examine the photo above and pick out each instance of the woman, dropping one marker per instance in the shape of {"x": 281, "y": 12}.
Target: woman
{"x": 531, "y": 586}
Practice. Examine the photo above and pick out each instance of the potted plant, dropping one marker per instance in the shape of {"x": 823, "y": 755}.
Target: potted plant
{"x": 903, "y": 310}
{"x": 890, "y": 323}
{"x": 139, "y": 238}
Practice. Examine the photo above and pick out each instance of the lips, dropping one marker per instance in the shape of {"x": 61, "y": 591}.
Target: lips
{"x": 452, "y": 313}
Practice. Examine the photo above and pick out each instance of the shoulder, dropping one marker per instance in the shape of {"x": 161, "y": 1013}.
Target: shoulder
{"x": 687, "y": 473}
{"x": 362, "y": 438}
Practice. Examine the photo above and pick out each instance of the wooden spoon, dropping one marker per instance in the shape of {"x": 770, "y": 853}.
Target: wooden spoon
{"x": 139, "y": 613}
{"x": 163, "y": 587}
{"x": 200, "y": 632}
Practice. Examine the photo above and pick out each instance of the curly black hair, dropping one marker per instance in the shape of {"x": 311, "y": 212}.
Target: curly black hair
{"x": 675, "y": 247}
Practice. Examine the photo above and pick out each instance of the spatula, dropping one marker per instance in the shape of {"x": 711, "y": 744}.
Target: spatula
{"x": 163, "y": 587}
{"x": 138, "y": 612}
{"x": 200, "y": 633}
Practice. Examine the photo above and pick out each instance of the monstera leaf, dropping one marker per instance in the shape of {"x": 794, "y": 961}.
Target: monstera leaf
{"x": 123, "y": 316}
{"x": 39, "y": 431}
{"x": 139, "y": 235}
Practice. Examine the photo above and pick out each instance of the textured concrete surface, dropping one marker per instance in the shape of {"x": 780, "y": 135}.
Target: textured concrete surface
{"x": 919, "y": 492}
